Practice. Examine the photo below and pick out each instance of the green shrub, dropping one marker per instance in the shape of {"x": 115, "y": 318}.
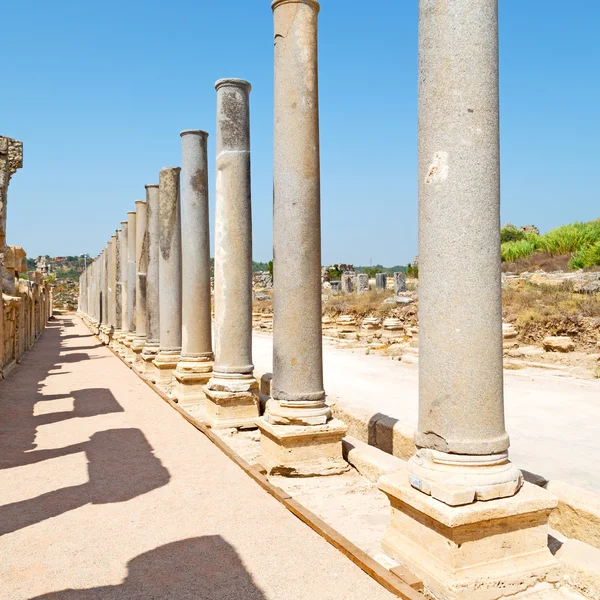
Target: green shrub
{"x": 512, "y": 251}
{"x": 586, "y": 257}
{"x": 571, "y": 238}
{"x": 511, "y": 234}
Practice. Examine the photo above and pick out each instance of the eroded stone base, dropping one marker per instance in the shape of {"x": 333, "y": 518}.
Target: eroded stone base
{"x": 165, "y": 365}
{"x": 232, "y": 402}
{"x": 302, "y": 450}
{"x": 191, "y": 375}
{"x": 482, "y": 551}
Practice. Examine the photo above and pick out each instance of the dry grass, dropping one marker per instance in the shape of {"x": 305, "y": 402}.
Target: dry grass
{"x": 538, "y": 261}
{"x": 368, "y": 304}
{"x": 538, "y": 311}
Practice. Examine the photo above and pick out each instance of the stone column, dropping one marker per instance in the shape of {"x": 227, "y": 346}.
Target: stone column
{"x": 195, "y": 367}
{"x": 131, "y": 285}
{"x": 381, "y": 282}
{"x": 298, "y": 436}
{"x": 152, "y": 345}
{"x": 104, "y": 328}
{"x": 123, "y": 275}
{"x": 399, "y": 282}
{"x": 141, "y": 267}
{"x": 461, "y": 442}
{"x": 170, "y": 276}
{"x": 232, "y": 392}
{"x": 117, "y": 299}
{"x": 112, "y": 287}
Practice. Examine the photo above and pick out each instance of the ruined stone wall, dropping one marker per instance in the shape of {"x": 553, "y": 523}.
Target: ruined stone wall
{"x": 25, "y": 305}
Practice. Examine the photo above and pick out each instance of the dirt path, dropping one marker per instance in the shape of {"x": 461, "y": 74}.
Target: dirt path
{"x": 106, "y": 492}
{"x": 553, "y": 419}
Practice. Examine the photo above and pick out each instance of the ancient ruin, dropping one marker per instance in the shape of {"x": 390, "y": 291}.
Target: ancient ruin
{"x": 434, "y": 512}
{"x": 25, "y": 305}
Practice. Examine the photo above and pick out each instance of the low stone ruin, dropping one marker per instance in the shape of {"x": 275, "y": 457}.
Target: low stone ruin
{"x": 25, "y": 305}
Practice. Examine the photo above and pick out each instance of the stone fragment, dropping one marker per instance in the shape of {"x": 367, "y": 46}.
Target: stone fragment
{"x": 399, "y": 282}
{"x": 381, "y": 281}
{"x": 362, "y": 283}
{"x": 561, "y": 343}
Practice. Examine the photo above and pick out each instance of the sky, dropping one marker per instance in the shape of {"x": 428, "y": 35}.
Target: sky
{"x": 99, "y": 91}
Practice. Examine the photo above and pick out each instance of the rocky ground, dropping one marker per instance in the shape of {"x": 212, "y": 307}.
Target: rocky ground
{"x": 551, "y": 320}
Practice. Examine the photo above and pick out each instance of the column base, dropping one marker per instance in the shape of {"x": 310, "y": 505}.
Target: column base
{"x": 302, "y": 450}
{"x": 114, "y": 340}
{"x": 146, "y": 368}
{"x": 457, "y": 479}
{"x": 191, "y": 375}
{"x": 165, "y": 364}
{"x": 482, "y": 551}
{"x": 305, "y": 412}
{"x": 232, "y": 401}
{"x": 128, "y": 354}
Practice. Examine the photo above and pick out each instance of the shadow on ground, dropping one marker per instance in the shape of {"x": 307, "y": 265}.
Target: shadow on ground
{"x": 121, "y": 462}
{"x": 206, "y": 568}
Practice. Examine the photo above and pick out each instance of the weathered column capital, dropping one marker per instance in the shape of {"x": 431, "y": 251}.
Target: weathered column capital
{"x": 312, "y": 3}
{"x": 233, "y": 82}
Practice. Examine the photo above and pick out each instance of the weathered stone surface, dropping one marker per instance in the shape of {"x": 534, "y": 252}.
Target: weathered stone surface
{"x": 578, "y": 513}
{"x": 381, "y": 281}
{"x": 484, "y": 550}
{"x": 348, "y": 282}
{"x": 558, "y": 344}
{"x": 399, "y": 282}
{"x": 362, "y": 283}
{"x": 232, "y": 392}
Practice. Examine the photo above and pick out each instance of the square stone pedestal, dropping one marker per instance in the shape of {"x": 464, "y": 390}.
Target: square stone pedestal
{"x": 165, "y": 366}
{"x": 191, "y": 376}
{"x": 302, "y": 450}
{"x": 481, "y": 551}
{"x": 232, "y": 403}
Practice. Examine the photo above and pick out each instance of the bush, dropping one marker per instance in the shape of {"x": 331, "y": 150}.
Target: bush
{"x": 571, "y": 238}
{"x": 586, "y": 257}
{"x": 512, "y": 251}
{"x": 511, "y": 234}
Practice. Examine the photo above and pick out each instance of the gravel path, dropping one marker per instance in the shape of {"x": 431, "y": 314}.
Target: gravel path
{"x": 106, "y": 492}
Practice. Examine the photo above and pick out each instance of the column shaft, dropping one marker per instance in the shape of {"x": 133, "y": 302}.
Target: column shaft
{"x": 298, "y": 436}
{"x": 124, "y": 274}
{"x": 152, "y": 345}
{"x": 141, "y": 267}
{"x": 195, "y": 367}
{"x": 232, "y": 392}
{"x": 297, "y": 336}
{"x": 170, "y": 274}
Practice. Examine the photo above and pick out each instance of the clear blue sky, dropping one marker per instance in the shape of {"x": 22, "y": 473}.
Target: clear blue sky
{"x": 98, "y": 92}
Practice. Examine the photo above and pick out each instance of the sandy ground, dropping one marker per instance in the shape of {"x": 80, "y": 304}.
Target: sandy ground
{"x": 552, "y": 418}
{"x": 106, "y": 492}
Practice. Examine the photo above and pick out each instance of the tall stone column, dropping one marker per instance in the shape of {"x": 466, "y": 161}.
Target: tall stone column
{"x": 112, "y": 287}
{"x": 170, "y": 276}
{"x": 118, "y": 291}
{"x": 195, "y": 367}
{"x": 141, "y": 267}
{"x": 461, "y": 442}
{"x": 152, "y": 345}
{"x": 123, "y": 275}
{"x": 232, "y": 393}
{"x": 104, "y": 325}
{"x": 131, "y": 285}
{"x": 298, "y": 435}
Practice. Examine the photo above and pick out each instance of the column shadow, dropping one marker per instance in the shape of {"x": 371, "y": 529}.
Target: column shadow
{"x": 121, "y": 466}
{"x": 200, "y": 568}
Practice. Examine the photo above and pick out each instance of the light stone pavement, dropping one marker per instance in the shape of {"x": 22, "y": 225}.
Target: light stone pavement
{"x": 553, "y": 420}
{"x": 106, "y": 492}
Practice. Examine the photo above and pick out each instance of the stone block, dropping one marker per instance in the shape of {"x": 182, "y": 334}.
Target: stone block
{"x": 399, "y": 282}
{"x": 482, "y": 551}
{"x": 578, "y": 513}
{"x": 561, "y": 343}
{"x": 369, "y": 461}
{"x": 302, "y": 451}
{"x": 381, "y": 281}
{"x": 232, "y": 403}
{"x": 362, "y": 283}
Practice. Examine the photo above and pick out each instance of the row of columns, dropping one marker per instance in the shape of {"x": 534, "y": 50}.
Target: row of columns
{"x": 460, "y": 478}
